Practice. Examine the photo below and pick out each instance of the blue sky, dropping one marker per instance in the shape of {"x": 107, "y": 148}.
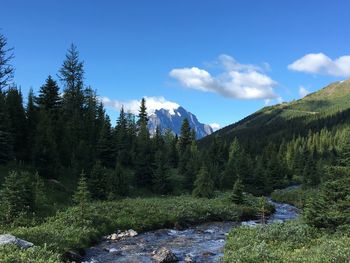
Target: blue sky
{"x": 221, "y": 60}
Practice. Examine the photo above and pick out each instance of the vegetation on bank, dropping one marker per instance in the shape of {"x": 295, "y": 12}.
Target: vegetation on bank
{"x": 291, "y": 242}
{"x": 297, "y": 196}
{"x": 69, "y": 231}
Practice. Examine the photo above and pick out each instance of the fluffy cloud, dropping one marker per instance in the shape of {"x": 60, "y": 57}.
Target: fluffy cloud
{"x": 215, "y": 126}
{"x": 303, "y": 91}
{"x": 321, "y": 64}
{"x": 239, "y": 81}
{"x": 133, "y": 106}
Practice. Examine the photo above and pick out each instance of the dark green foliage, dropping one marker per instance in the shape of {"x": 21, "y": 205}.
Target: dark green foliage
{"x": 16, "y": 195}
{"x": 17, "y": 122}
{"x": 331, "y": 207}
{"x": 45, "y": 154}
{"x": 237, "y": 192}
{"x": 6, "y": 141}
{"x": 161, "y": 183}
{"x": 82, "y": 196}
{"x": 185, "y": 136}
{"x": 6, "y": 69}
{"x": 204, "y": 185}
{"x": 98, "y": 181}
{"x": 49, "y": 96}
{"x": 105, "y": 152}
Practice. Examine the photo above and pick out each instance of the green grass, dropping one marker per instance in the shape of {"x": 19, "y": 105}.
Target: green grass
{"x": 65, "y": 231}
{"x": 290, "y": 242}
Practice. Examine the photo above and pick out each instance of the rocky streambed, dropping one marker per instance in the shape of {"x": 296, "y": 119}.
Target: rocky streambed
{"x": 201, "y": 243}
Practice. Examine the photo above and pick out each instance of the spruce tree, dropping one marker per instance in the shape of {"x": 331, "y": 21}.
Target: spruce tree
{"x": 6, "y": 69}
{"x": 204, "y": 185}
{"x": 32, "y": 115}
{"x": 81, "y": 196}
{"x": 16, "y": 196}
{"x": 6, "y": 140}
{"x": 49, "y": 96}
{"x": 98, "y": 181}
{"x": 185, "y": 136}
{"x": 104, "y": 146}
{"x": 237, "y": 192}
{"x": 17, "y": 120}
{"x": 161, "y": 183}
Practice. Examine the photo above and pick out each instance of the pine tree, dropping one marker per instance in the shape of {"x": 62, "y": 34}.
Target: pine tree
{"x": 98, "y": 181}
{"x": 32, "y": 115}
{"x": 49, "y": 96}
{"x": 232, "y": 166}
{"x": 17, "y": 119}
{"x": 161, "y": 183}
{"x": 71, "y": 75}
{"x": 16, "y": 196}
{"x": 185, "y": 136}
{"x": 204, "y": 185}
{"x": 143, "y": 156}
{"x": 45, "y": 154}
{"x": 6, "y": 69}
{"x": 237, "y": 192}
{"x": 123, "y": 186}
{"x": 6, "y": 141}
{"x": 81, "y": 196}
{"x": 105, "y": 145}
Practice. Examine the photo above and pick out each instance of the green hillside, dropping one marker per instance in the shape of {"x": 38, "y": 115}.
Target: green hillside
{"x": 315, "y": 111}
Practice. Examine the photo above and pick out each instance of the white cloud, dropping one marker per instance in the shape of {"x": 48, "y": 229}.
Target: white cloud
{"x": 215, "y": 126}
{"x": 133, "y": 106}
{"x": 303, "y": 92}
{"x": 239, "y": 81}
{"x": 321, "y": 64}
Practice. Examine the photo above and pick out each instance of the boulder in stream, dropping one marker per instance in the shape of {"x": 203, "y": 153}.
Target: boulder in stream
{"x": 8, "y": 239}
{"x": 164, "y": 255}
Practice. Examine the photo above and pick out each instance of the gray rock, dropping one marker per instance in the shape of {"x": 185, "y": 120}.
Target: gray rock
{"x": 10, "y": 239}
{"x": 164, "y": 255}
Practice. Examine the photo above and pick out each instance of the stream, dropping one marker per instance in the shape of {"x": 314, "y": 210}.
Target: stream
{"x": 202, "y": 243}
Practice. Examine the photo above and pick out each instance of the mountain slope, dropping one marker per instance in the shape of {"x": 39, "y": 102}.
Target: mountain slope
{"x": 172, "y": 119}
{"x": 315, "y": 111}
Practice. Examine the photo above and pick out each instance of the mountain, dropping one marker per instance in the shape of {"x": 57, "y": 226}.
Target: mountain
{"x": 172, "y": 119}
{"x": 327, "y": 107}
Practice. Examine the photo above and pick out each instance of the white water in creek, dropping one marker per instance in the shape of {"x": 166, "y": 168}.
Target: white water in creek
{"x": 203, "y": 243}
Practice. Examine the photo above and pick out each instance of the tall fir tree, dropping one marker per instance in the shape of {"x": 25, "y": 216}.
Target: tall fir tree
{"x": 82, "y": 197}
{"x": 204, "y": 184}
{"x": 6, "y": 68}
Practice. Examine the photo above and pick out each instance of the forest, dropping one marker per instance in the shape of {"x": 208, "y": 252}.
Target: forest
{"x": 66, "y": 169}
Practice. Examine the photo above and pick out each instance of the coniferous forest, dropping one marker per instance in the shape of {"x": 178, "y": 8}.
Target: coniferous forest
{"x": 69, "y": 175}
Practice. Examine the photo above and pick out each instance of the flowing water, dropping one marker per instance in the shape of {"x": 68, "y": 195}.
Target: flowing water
{"x": 202, "y": 243}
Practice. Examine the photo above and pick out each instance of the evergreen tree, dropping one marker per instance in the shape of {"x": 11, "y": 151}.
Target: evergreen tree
{"x": 16, "y": 196}
{"x": 161, "y": 183}
{"x": 45, "y": 154}
{"x": 17, "y": 119}
{"x": 71, "y": 75}
{"x": 32, "y": 116}
{"x": 123, "y": 186}
{"x": 232, "y": 166}
{"x": 185, "y": 136}
{"x": 105, "y": 145}
{"x": 237, "y": 192}
{"x": 81, "y": 196}
{"x": 6, "y": 141}
{"x": 143, "y": 156}
{"x": 49, "y": 96}
{"x": 204, "y": 185}
{"x": 98, "y": 181}
{"x": 6, "y": 69}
